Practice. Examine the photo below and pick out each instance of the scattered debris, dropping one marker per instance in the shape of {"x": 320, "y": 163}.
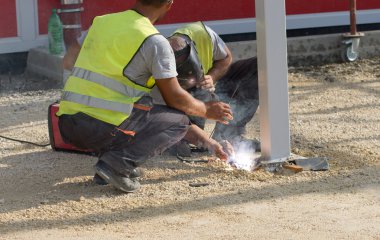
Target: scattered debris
{"x": 293, "y": 167}
{"x": 45, "y": 201}
{"x": 199, "y": 184}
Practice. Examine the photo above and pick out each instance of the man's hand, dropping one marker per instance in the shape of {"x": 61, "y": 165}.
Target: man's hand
{"x": 207, "y": 83}
{"x": 219, "y": 111}
{"x": 222, "y": 150}
{"x": 200, "y": 138}
{"x": 219, "y": 152}
{"x": 228, "y": 148}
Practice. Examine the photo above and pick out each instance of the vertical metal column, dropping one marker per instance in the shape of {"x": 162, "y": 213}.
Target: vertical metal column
{"x": 273, "y": 80}
{"x": 353, "y": 28}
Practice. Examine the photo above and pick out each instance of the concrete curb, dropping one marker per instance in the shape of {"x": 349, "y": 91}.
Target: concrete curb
{"x": 41, "y": 62}
{"x": 313, "y": 50}
{"x": 309, "y": 50}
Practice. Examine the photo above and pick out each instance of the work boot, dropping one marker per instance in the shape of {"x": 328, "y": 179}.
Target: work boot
{"x": 182, "y": 149}
{"x": 121, "y": 182}
{"x": 135, "y": 173}
{"x": 98, "y": 180}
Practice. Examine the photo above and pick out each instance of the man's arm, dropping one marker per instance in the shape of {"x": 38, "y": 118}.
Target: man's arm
{"x": 71, "y": 56}
{"x": 200, "y": 138}
{"x": 222, "y": 58}
{"x": 220, "y": 67}
{"x": 178, "y": 98}
{"x": 73, "y": 51}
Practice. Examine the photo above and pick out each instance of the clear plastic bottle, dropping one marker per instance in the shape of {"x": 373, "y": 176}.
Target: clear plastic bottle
{"x": 55, "y": 34}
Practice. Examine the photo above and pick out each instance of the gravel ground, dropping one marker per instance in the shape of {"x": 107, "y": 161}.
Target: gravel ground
{"x": 334, "y": 112}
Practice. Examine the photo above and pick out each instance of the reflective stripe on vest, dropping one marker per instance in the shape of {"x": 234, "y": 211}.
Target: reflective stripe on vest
{"x": 107, "y": 82}
{"x": 97, "y": 102}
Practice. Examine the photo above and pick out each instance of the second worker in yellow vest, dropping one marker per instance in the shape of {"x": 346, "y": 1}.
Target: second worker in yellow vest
{"x": 205, "y": 71}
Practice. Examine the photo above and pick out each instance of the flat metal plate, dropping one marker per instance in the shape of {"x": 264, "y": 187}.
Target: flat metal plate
{"x": 313, "y": 164}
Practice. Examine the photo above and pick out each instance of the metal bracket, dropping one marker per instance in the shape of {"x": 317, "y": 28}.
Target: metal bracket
{"x": 68, "y": 2}
{"x": 73, "y": 26}
{"x": 70, "y": 10}
{"x": 274, "y": 165}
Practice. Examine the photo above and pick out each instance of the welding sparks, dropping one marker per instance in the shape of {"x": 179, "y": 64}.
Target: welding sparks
{"x": 244, "y": 158}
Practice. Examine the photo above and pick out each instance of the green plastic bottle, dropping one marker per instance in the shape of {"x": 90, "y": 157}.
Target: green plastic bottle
{"x": 55, "y": 34}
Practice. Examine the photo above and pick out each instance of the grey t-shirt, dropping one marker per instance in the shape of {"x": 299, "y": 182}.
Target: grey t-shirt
{"x": 154, "y": 58}
{"x": 219, "y": 47}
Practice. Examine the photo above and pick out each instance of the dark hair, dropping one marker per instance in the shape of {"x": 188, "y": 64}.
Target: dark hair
{"x": 180, "y": 47}
{"x": 156, "y": 3}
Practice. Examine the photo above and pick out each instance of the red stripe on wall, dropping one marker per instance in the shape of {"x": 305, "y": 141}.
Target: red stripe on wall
{"x": 205, "y": 10}
{"x": 8, "y": 19}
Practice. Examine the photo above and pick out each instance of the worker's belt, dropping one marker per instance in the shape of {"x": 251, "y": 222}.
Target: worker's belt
{"x": 141, "y": 107}
{"x": 128, "y": 132}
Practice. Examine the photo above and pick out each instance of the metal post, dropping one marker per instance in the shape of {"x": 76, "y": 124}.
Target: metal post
{"x": 351, "y": 40}
{"x": 70, "y": 14}
{"x": 273, "y": 80}
{"x": 353, "y": 17}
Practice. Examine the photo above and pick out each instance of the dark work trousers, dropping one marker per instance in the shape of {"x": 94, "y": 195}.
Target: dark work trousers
{"x": 155, "y": 131}
{"x": 239, "y": 88}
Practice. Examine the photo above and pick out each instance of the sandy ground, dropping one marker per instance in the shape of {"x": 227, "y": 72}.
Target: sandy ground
{"x": 334, "y": 112}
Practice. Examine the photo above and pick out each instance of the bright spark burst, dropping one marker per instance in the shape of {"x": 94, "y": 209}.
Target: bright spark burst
{"x": 245, "y": 159}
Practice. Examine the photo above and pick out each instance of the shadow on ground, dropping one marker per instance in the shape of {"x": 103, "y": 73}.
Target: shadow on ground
{"x": 50, "y": 175}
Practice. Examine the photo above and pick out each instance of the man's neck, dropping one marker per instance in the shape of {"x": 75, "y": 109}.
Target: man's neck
{"x": 147, "y": 11}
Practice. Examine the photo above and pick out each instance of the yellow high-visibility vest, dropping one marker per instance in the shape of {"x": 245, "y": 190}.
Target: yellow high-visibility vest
{"x": 197, "y": 33}
{"x": 97, "y": 85}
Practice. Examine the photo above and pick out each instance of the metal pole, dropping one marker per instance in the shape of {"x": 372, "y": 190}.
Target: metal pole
{"x": 351, "y": 40}
{"x": 353, "y": 17}
{"x": 273, "y": 80}
{"x": 70, "y": 14}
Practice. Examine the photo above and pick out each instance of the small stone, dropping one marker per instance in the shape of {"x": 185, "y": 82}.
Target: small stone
{"x": 2, "y": 201}
{"x": 330, "y": 79}
{"x": 45, "y": 201}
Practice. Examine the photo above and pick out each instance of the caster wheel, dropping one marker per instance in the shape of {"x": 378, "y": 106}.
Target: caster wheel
{"x": 348, "y": 55}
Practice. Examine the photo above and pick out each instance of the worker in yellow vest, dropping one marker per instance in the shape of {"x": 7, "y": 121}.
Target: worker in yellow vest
{"x": 106, "y": 104}
{"x": 205, "y": 70}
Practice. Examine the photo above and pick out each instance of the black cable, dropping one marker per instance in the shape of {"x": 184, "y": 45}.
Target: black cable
{"x": 22, "y": 141}
{"x": 191, "y": 159}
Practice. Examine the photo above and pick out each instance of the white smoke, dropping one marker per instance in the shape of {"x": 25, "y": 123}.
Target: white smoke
{"x": 244, "y": 157}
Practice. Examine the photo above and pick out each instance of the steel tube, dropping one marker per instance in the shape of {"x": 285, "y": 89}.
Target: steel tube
{"x": 353, "y": 17}
{"x": 272, "y": 63}
{"x": 70, "y": 14}
{"x": 67, "y": 2}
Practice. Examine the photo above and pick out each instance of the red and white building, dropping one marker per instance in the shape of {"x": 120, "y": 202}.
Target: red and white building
{"x": 23, "y": 23}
